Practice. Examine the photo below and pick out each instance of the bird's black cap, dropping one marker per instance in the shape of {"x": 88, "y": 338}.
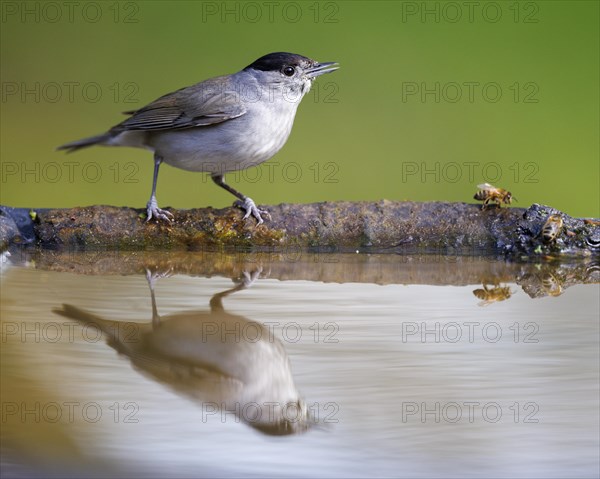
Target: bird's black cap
{"x": 275, "y": 61}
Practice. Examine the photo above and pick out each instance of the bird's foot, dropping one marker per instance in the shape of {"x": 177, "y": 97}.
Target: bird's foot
{"x": 153, "y": 211}
{"x": 248, "y": 278}
{"x": 252, "y": 210}
{"x": 153, "y": 276}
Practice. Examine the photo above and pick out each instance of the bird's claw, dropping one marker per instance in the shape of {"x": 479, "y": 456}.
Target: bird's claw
{"x": 153, "y": 211}
{"x": 251, "y": 209}
{"x": 153, "y": 277}
{"x": 248, "y": 279}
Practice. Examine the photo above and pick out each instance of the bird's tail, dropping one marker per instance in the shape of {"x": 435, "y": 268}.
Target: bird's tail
{"x": 86, "y": 318}
{"x": 117, "y": 334}
{"x": 85, "y": 142}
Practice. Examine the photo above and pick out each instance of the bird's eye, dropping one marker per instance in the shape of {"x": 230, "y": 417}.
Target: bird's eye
{"x": 289, "y": 71}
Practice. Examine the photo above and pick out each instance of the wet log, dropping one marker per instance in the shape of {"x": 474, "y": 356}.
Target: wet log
{"x": 341, "y": 227}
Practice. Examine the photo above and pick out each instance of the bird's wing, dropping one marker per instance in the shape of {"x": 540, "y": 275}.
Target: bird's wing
{"x": 206, "y": 103}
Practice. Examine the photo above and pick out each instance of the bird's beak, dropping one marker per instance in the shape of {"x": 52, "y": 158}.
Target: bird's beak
{"x": 321, "y": 69}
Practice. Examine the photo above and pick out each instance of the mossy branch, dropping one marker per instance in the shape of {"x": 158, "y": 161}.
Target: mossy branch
{"x": 371, "y": 227}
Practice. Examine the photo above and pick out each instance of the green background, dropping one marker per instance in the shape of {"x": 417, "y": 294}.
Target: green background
{"x": 365, "y": 132}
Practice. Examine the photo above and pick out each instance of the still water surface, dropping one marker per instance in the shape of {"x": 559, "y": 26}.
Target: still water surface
{"x": 327, "y": 366}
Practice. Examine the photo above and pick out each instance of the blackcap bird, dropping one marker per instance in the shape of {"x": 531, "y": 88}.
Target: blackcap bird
{"x": 220, "y": 125}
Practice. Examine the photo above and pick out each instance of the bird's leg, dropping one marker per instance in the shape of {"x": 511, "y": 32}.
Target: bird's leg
{"x": 245, "y": 202}
{"x": 151, "y": 278}
{"x": 152, "y": 209}
{"x": 247, "y": 280}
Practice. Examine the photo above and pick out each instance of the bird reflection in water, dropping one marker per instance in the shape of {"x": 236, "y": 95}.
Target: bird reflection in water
{"x": 224, "y": 361}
